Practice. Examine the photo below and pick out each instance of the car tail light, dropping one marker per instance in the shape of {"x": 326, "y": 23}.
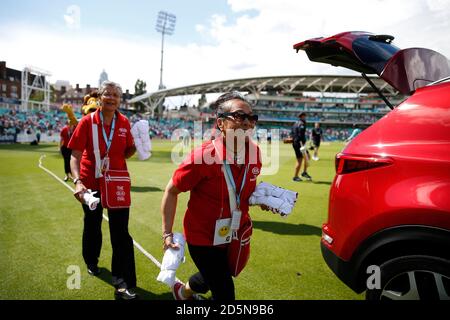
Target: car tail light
{"x": 328, "y": 239}
{"x": 327, "y": 234}
{"x": 347, "y": 163}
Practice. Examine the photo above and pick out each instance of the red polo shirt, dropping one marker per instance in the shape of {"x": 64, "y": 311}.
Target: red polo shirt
{"x": 82, "y": 140}
{"x": 209, "y": 200}
{"x": 65, "y": 136}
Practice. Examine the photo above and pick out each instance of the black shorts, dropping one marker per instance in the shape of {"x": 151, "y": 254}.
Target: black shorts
{"x": 316, "y": 143}
{"x": 298, "y": 153}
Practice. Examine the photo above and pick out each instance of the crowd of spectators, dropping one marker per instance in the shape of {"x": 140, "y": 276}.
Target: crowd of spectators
{"x": 161, "y": 128}
{"x": 332, "y": 114}
{"x": 50, "y": 123}
{"x": 15, "y": 122}
{"x": 348, "y": 118}
{"x": 319, "y": 107}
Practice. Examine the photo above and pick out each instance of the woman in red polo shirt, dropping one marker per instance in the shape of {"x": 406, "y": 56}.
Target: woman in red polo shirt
{"x": 115, "y": 145}
{"x": 65, "y": 135}
{"x": 203, "y": 174}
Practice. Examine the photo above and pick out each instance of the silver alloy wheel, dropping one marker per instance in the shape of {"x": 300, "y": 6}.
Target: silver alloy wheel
{"x": 406, "y": 287}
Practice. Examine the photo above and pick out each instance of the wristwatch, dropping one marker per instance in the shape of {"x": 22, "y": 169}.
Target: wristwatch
{"x": 75, "y": 181}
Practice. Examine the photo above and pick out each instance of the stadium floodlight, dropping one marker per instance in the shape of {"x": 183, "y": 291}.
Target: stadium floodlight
{"x": 165, "y": 24}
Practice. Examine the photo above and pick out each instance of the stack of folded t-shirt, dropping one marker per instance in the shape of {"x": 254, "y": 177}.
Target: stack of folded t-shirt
{"x": 142, "y": 141}
{"x": 171, "y": 261}
{"x": 277, "y": 199}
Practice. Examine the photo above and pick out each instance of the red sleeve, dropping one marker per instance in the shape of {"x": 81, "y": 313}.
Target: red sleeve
{"x": 61, "y": 134}
{"x": 188, "y": 174}
{"x": 78, "y": 141}
{"x": 259, "y": 158}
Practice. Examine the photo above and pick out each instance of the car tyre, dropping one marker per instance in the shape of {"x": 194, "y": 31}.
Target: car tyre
{"x": 416, "y": 277}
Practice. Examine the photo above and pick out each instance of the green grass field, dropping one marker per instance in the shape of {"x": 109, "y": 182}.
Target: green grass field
{"x": 41, "y": 226}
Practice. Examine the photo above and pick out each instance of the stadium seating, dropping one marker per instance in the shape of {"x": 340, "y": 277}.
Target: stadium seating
{"x": 336, "y": 120}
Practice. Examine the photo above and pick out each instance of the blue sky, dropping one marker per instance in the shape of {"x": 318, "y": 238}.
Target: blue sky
{"x": 127, "y": 17}
{"x": 214, "y": 39}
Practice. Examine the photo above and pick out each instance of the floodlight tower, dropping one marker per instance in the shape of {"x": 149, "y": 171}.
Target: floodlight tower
{"x": 165, "y": 25}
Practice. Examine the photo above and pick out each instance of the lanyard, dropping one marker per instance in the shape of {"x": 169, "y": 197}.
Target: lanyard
{"x": 233, "y": 184}
{"x": 111, "y": 133}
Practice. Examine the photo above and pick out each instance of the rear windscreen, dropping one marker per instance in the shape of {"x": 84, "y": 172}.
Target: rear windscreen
{"x": 374, "y": 53}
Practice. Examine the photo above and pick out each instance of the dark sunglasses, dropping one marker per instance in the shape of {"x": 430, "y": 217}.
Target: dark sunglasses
{"x": 239, "y": 116}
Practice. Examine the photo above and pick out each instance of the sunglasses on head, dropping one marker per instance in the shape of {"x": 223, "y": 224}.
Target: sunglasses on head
{"x": 239, "y": 116}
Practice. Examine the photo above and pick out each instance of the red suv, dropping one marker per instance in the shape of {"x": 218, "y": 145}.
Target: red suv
{"x": 388, "y": 228}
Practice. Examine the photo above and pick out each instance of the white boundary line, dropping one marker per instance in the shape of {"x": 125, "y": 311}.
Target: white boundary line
{"x": 136, "y": 244}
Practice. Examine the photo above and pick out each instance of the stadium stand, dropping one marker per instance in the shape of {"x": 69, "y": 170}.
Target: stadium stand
{"x": 336, "y": 102}
{"x": 23, "y": 125}
{"x": 339, "y": 103}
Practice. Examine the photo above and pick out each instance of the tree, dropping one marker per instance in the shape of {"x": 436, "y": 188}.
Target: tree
{"x": 52, "y": 94}
{"x": 37, "y": 95}
{"x": 139, "y": 88}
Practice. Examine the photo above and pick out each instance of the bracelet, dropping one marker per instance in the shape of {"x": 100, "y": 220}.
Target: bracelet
{"x": 166, "y": 235}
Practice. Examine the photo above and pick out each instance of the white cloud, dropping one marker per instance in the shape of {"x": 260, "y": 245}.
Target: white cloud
{"x": 266, "y": 40}
{"x": 253, "y": 45}
{"x": 438, "y": 5}
{"x": 73, "y": 17}
{"x": 80, "y": 57}
{"x": 199, "y": 28}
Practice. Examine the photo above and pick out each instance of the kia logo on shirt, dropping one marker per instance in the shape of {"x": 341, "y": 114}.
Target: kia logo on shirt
{"x": 122, "y": 132}
{"x": 255, "y": 172}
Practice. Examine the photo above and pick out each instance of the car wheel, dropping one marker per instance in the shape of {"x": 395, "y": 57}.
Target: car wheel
{"x": 413, "y": 278}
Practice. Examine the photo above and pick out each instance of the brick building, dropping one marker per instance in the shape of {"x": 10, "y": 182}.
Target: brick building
{"x": 11, "y": 90}
{"x": 10, "y": 85}
{"x": 75, "y": 96}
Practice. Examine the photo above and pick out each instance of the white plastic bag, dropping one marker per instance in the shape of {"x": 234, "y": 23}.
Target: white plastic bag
{"x": 171, "y": 261}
